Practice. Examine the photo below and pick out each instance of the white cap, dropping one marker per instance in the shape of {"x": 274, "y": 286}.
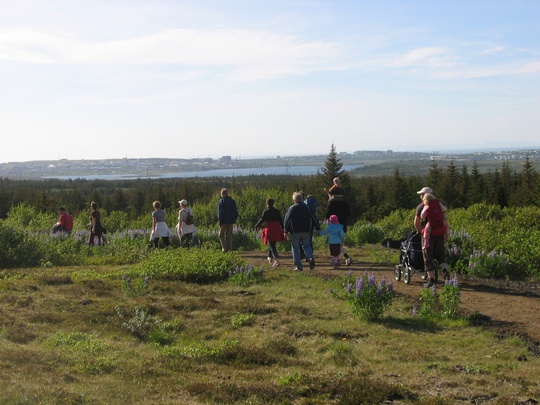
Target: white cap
{"x": 183, "y": 202}
{"x": 425, "y": 190}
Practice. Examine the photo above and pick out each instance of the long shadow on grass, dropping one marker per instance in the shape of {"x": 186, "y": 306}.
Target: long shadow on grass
{"x": 411, "y": 324}
{"x": 502, "y": 290}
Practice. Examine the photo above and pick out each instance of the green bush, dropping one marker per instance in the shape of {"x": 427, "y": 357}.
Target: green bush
{"x": 367, "y": 298}
{"x": 363, "y": 233}
{"x": 193, "y": 265}
{"x": 397, "y": 225}
{"x": 17, "y": 248}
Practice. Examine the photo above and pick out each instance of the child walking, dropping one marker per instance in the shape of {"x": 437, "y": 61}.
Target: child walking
{"x": 335, "y": 238}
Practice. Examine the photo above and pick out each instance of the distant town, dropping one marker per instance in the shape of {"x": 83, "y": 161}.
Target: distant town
{"x": 155, "y": 167}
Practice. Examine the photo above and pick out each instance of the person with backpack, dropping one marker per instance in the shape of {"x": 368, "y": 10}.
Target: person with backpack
{"x": 299, "y": 223}
{"x": 185, "y": 228}
{"x": 434, "y": 234}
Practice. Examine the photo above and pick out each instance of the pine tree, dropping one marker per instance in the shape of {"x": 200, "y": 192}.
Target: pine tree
{"x": 333, "y": 168}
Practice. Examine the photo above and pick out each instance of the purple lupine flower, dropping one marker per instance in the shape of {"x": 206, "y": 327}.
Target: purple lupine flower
{"x": 371, "y": 280}
{"x": 350, "y": 273}
{"x": 124, "y": 278}
{"x": 383, "y": 281}
{"x": 390, "y": 286}
{"x": 379, "y": 290}
{"x": 434, "y": 289}
{"x": 349, "y": 288}
{"x": 146, "y": 279}
{"x": 359, "y": 284}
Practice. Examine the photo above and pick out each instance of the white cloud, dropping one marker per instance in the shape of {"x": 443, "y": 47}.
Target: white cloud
{"x": 429, "y": 57}
{"x": 246, "y": 54}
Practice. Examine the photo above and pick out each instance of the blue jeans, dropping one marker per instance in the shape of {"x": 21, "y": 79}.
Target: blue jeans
{"x": 304, "y": 239}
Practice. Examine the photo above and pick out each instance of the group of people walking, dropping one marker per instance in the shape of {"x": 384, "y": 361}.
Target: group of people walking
{"x": 298, "y": 226}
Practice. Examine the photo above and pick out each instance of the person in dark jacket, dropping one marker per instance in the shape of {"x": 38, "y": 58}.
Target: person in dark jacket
{"x": 299, "y": 223}
{"x": 273, "y": 230}
{"x": 227, "y": 216}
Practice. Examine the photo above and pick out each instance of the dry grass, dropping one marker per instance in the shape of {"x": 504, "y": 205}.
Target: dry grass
{"x": 62, "y": 342}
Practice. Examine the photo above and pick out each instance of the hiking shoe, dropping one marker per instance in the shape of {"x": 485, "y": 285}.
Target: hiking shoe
{"x": 446, "y": 275}
{"x": 430, "y": 283}
{"x": 312, "y": 263}
{"x": 298, "y": 269}
{"x": 348, "y": 261}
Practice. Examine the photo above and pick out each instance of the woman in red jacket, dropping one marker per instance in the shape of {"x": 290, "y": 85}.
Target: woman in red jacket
{"x": 273, "y": 230}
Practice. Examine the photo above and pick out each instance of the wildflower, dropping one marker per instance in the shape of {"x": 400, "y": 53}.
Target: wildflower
{"x": 349, "y": 288}
{"x": 415, "y": 311}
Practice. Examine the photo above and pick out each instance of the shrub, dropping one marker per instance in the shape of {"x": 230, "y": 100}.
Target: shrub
{"x": 141, "y": 324}
{"x": 363, "y": 233}
{"x": 245, "y": 276}
{"x": 434, "y": 305}
{"x": 17, "y": 248}
{"x": 490, "y": 265}
{"x": 397, "y": 225}
{"x": 367, "y": 298}
{"x": 194, "y": 265}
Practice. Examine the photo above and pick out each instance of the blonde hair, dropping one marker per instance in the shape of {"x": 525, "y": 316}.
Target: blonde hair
{"x": 156, "y": 204}
{"x": 428, "y": 197}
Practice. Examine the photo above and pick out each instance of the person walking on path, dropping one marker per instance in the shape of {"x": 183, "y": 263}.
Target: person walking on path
{"x": 336, "y": 235}
{"x": 159, "y": 226}
{"x": 300, "y": 223}
{"x": 227, "y": 216}
{"x": 186, "y": 226}
{"x": 272, "y": 231}
{"x": 338, "y": 206}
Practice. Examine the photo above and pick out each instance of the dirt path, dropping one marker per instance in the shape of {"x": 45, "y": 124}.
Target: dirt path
{"x": 511, "y": 308}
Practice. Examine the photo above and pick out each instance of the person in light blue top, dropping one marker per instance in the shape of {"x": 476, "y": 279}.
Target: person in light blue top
{"x": 336, "y": 235}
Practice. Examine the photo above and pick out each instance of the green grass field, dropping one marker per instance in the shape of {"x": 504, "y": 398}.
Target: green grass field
{"x": 85, "y": 335}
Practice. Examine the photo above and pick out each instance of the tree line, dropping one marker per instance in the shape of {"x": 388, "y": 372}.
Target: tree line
{"x": 370, "y": 198}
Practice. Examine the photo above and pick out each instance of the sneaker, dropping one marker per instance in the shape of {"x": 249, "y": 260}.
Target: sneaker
{"x": 429, "y": 283}
{"x": 269, "y": 260}
{"x": 298, "y": 269}
{"x": 312, "y": 263}
{"x": 276, "y": 263}
{"x": 348, "y": 261}
{"x": 446, "y": 275}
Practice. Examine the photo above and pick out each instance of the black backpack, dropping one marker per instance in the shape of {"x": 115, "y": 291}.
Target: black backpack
{"x": 189, "y": 218}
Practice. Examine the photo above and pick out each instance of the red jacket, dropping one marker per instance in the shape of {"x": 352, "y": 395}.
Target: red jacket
{"x": 272, "y": 232}
{"x": 66, "y": 221}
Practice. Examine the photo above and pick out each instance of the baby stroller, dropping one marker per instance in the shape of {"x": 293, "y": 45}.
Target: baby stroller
{"x": 411, "y": 259}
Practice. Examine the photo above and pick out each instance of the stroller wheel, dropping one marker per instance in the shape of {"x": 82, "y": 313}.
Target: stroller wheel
{"x": 397, "y": 272}
{"x": 407, "y": 275}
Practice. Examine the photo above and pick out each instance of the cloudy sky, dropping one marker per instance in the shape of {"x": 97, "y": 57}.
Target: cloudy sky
{"x": 171, "y": 78}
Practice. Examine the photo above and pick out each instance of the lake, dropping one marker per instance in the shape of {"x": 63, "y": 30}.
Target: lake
{"x": 251, "y": 171}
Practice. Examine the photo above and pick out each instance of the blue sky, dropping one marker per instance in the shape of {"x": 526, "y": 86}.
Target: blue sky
{"x": 182, "y": 79}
